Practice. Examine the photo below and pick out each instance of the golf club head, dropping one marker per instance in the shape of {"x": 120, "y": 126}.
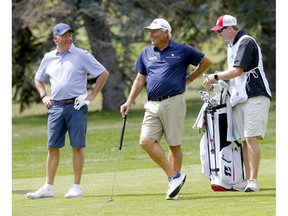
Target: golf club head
{"x": 225, "y": 87}
{"x": 216, "y": 87}
{"x": 206, "y": 98}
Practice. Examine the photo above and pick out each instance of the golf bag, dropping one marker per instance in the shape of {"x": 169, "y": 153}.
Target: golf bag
{"x": 221, "y": 160}
{"x": 220, "y": 153}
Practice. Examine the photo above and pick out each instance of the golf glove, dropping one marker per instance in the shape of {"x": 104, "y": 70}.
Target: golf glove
{"x": 80, "y": 101}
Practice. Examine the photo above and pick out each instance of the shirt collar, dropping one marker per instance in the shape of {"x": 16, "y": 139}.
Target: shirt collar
{"x": 239, "y": 35}
{"x": 71, "y": 49}
{"x": 171, "y": 44}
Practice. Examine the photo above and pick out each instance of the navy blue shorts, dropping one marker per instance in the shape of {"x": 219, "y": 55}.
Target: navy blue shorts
{"x": 63, "y": 118}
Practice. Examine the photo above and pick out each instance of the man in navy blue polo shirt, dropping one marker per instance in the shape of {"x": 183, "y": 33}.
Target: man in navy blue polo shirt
{"x": 163, "y": 65}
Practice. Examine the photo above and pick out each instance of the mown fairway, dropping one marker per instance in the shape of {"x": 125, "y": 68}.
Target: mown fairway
{"x": 140, "y": 185}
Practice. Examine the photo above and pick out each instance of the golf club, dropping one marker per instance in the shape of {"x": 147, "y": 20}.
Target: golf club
{"x": 118, "y": 160}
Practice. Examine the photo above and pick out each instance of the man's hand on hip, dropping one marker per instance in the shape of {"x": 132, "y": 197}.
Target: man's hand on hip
{"x": 80, "y": 101}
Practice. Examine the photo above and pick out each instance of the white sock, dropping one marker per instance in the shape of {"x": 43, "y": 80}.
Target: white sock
{"x": 48, "y": 186}
{"x": 76, "y": 186}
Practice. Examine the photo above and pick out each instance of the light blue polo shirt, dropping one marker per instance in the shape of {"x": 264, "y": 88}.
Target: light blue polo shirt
{"x": 166, "y": 70}
{"x": 67, "y": 72}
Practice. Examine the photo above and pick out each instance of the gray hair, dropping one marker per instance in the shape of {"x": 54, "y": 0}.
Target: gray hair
{"x": 169, "y": 33}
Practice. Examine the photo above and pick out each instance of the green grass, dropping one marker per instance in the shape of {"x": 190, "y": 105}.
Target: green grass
{"x": 140, "y": 184}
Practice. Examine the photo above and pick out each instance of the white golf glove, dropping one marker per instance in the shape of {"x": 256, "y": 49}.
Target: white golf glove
{"x": 80, "y": 101}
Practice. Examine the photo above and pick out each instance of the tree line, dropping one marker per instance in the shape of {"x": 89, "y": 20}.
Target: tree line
{"x": 113, "y": 31}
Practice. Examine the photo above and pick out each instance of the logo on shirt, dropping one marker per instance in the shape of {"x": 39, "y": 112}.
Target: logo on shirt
{"x": 173, "y": 56}
{"x": 152, "y": 58}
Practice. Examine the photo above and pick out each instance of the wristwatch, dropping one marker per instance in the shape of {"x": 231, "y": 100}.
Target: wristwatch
{"x": 216, "y": 77}
{"x": 42, "y": 96}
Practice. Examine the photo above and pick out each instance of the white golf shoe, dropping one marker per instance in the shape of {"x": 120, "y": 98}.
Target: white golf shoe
{"x": 74, "y": 192}
{"x": 241, "y": 186}
{"x": 175, "y": 184}
{"x": 41, "y": 193}
{"x": 252, "y": 186}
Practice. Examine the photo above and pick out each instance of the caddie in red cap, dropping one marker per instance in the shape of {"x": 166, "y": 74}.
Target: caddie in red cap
{"x": 224, "y": 21}
{"x": 250, "y": 94}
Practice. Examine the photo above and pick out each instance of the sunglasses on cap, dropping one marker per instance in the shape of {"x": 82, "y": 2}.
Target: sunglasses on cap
{"x": 220, "y": 30}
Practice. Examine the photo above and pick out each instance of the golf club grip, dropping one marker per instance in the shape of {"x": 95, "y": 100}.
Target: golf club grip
{"x": 122, "y": 133}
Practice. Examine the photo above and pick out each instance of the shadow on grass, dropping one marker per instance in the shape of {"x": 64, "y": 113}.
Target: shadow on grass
{"x": 21, "y": 191}
{"x": 192, "y": 196}
{"x": 235, "y": 195}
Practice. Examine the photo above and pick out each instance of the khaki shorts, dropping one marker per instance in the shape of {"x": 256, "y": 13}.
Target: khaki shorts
{"x": 165, "y": 117}
{"x": 251, "y": 117}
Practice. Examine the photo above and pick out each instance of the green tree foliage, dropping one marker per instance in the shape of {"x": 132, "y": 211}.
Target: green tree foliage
{"x": 113, "y": 31}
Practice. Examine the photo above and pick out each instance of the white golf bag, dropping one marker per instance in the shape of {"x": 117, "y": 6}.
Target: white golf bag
{"x": 221, "y": 160}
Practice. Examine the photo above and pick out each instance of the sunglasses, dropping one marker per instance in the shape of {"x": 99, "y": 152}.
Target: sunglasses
{"x": 220, "y": 30}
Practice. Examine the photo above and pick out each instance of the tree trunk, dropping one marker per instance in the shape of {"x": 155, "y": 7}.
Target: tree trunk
{"x": 269, "y": 46}
{"x": 102, "y": 48}
{"x": 269, "y": 60}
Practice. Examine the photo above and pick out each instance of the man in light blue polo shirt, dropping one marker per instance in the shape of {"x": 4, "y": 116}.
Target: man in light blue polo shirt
{"x": 163, "y": 65}
{"x": 66, "y": 67}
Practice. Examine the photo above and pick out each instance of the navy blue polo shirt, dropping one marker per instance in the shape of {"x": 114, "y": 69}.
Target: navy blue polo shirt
{"x": 166, "y": 69}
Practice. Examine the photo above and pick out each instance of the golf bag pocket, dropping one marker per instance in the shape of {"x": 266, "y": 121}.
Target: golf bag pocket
{"x": 204, "y": 156}
{"x": 230, "y": 163}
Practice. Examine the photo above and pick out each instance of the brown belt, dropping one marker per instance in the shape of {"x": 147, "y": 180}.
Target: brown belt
{"x": 63, "y": 102}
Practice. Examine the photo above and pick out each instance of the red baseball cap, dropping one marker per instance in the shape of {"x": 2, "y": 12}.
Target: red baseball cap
{"x": 224, "y": 20}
